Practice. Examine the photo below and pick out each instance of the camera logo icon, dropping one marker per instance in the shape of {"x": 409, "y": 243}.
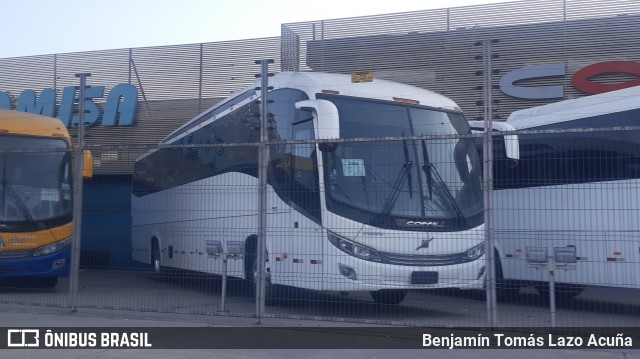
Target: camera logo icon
{"x": 23, "y": 338}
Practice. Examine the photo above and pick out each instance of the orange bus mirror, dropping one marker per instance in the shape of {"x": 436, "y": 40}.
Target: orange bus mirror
{"x": 88, "y": 164}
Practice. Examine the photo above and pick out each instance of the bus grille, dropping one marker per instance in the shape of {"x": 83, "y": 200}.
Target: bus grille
{"x": 15, "y": 254}
{"x": 421, "y": 260}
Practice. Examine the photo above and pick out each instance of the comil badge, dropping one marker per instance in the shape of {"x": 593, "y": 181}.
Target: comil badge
{"x": 425, "y": 243}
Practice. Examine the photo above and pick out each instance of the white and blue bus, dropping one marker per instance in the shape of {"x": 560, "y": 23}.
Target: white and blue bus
{"x": 577, "y": 189}
{"x": 381, "y": 216}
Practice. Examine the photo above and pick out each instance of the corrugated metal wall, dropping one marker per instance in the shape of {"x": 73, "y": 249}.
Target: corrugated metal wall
{"x": 175, "y": 83}
{"x": 436, "y": 49}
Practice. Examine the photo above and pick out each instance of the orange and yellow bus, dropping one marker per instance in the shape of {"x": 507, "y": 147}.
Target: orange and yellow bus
{"x": 36, "y": 204}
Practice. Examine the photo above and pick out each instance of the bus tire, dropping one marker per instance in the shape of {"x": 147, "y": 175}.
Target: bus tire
{"x": 505, "y": 290}
{"x": 389, "y": 296}
{"x": 156, "y": 260}
{"x": 564, "y": 291}
{"x": 273, "y": 294}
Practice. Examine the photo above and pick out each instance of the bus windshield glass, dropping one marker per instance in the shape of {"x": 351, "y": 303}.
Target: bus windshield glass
{"x": 35, "y": 186}
{"x": 425, "y": 184}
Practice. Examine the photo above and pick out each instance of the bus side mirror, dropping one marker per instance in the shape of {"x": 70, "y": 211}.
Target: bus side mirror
{"x": 511, "y": 142}
{"x": 326, "y": 119}
{"x": 88, "y": 164}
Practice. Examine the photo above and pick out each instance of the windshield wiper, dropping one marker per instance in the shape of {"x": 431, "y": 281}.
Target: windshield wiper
{"x": 7, "y": 186}
{"x": 430, "y": 169}
{"x": 395, "y": 189}
{"x": 405, "y": 172}
{"x": 406, "y": 159}
{"x": 19, "y": 203}
{"x": 425, "y": 156}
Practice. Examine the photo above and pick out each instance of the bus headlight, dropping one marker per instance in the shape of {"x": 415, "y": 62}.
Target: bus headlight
{"x": 475, "y": 252}
{"x": 53, "y": 247}
{"x": 353, "y": 248}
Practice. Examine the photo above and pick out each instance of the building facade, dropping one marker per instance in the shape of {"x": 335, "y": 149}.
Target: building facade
{"x": 540, "y": 52}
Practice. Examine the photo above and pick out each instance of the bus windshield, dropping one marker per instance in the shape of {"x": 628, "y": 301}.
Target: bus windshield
{"x": 424, "y": 184}
{"x": 35, "y": 187}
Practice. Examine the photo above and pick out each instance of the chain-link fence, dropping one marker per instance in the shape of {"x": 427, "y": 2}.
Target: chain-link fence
{"x": 389, "y": 222}
{"x": 386, "y": 231}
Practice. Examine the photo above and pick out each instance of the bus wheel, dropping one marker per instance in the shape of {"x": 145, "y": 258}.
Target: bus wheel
{"x": 156, "y": 264}
{"x": 273, "y": 294}
{"x": 388, "y": 296}
{"x": 270, "y": 290}
{"x": 505, "y": 290}
{"x": 564, "y": 291}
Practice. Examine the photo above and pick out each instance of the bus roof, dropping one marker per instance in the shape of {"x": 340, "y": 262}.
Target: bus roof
{"x": 569, "y": 110}
{"x": 315, "y": 82}
{"x": 30, "y": 124}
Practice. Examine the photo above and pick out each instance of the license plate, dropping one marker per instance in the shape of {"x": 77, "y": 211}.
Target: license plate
{"x": 424, "y": 277}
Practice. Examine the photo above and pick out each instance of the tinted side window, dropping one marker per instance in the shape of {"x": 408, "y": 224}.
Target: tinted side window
{"x": 294, "y": 169}
{"x": 217, "y": 110}
{"x": 565, "y": 158}
{"x": 171, "y": 167}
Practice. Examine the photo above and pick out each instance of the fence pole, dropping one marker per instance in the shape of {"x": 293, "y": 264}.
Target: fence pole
{"x": 263, "y": 155}
{"x": 223, "y": 295}
{"x": 551, "y": 266}
{"x": 77, "y": 198}
{"x": 490, "y": 281}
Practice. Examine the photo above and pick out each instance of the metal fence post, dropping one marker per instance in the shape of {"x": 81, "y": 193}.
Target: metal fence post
{"x": 262, "y": 176}
{"x": 490, "y": 281}
{"x": 551, "y": 266}
{"x": 223, "y": 294}
{"x": 77, "y": 198}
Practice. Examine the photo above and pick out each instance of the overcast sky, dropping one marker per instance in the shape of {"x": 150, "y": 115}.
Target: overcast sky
{"x": 35, "y": 27}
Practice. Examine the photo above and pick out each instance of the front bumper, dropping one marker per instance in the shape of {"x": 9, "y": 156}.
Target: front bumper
{"x": 52, "y": 265}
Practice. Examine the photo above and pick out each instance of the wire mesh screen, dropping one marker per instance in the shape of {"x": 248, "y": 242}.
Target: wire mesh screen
{"x": 383, "y": 221}
{"x": 564, "y": 214}
{"x": 161, "y": 251}
{"x": 347, "y": 237}
{"x": 36, "y": 220}
{"x": 194, "y": 217}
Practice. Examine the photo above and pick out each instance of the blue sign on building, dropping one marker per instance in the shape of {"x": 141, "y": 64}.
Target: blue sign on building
{"x": 119, "y": 109}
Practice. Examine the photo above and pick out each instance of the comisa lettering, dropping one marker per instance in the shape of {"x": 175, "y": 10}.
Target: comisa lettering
{"x": 118, "y": 110}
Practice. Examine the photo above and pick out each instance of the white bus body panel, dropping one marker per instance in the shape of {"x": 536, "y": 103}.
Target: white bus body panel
{"x": 224, "y": 208}
{"x": 600, "y": 219}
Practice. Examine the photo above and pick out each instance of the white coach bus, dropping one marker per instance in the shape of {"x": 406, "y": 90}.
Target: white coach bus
{"x": 579, "y": 190}
{"x": 379, "y": 216}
